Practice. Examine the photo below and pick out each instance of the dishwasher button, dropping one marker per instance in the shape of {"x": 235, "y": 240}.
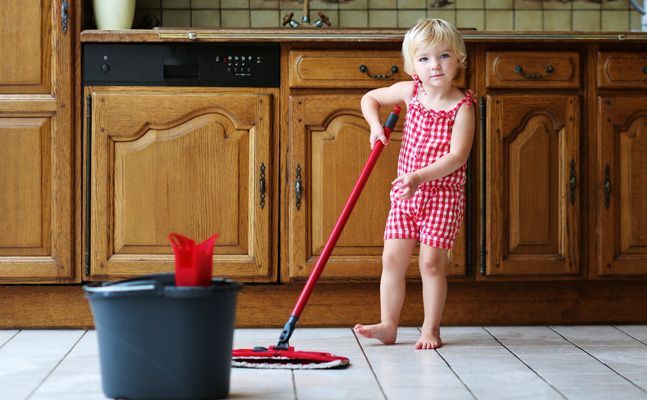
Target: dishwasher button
{"x": 105, "y": 67}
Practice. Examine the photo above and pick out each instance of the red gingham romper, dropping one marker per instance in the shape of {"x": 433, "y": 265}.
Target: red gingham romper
{"x": 434, "y": 213}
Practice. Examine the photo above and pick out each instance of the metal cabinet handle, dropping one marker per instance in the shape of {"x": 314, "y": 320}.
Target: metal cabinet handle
{"x": 607, "y": 186}
{"x": 298, "y": 187}
{"x": 262, "y": 185}
{"x": 572, "y": 182}
{"x": 528, "y": 75}
{"x": 364, "y": 69}
{"x": 64, "y": 16}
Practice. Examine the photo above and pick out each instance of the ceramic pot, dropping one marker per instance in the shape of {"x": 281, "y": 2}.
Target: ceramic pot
{"x": 114, "y": 14}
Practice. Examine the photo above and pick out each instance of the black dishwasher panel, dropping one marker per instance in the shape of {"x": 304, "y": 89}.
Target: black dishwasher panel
{"x": 181, "y": 64}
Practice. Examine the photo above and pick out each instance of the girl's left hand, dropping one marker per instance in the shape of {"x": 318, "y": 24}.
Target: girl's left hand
{"x": 406, "y": 185}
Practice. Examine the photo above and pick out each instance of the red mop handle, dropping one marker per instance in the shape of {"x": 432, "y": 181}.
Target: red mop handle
{"x": 345, "y": 214}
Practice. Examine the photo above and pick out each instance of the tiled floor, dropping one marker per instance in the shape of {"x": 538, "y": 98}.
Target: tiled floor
{"x": 531, "y": 362}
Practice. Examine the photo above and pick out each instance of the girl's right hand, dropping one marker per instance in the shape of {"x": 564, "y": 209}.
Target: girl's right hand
{"x": 377, "y": 133}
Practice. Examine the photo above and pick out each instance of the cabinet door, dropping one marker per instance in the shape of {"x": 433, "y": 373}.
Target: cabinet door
{"x": 176, "y": 160}
{"x": 328, "y": 149}
{"x": 622, "y": 187}
{"x": 532, "y": 185}
{"x": 36, "y": 151}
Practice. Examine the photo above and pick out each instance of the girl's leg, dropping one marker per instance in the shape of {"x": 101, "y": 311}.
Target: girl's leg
{"x": 434, "y": 292}
{"x": 395, "y": 260}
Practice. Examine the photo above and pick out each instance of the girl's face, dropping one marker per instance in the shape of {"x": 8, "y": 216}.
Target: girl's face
{"x": 436, "y": 66}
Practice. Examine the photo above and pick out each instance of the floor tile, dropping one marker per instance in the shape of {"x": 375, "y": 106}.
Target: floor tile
{"x": 407, "y": 373}
{"x": 523, "y": 332}
{"x": 503, "y": 362}
{"x": 77, "y": 377}
{"x": 603, "y": 392}
{"x": 260, "y": 383}
{"x": 6, "y": 335}
{"x": 333, "y": 384}
{"x": 638, "y": 332}
{"x": 594, "y": 335}
{"x": 29, "y": 357}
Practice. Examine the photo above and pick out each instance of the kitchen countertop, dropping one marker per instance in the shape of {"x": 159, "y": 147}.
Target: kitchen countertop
{"x": 282, "y": 35}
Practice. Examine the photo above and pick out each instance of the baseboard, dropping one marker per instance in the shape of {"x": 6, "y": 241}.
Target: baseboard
{"x": 468, "y": 303}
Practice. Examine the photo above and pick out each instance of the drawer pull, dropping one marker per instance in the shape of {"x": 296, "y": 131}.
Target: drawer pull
{"x": 298, "y": 187}
{"x": 607, "y": 187}
{"x": 645, "y": 70}
{"x": 262, "y": 185}
{"x": 519, "y": 69}
{"x": 364, "y": 69}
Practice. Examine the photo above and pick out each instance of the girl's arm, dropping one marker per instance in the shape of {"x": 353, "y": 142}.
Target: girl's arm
{"x": 386, "y": 96}
{"x": 459, "y": 152}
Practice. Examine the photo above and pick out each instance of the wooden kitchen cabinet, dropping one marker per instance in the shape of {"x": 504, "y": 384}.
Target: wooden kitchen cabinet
{"x": 533, "y": 186}
{"x": 622, "y": 184}
{"x": 328, "y": 148}
{"x": 547, "y": 259}
{"x": 36, "y": 147}
{"x": 186, "y": 160}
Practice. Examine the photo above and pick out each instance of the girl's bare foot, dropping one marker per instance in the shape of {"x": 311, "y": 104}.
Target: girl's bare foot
{"x": 385, "y": 333}
{"x": 429, "y": 340}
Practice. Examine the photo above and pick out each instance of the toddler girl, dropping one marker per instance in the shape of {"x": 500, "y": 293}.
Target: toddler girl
{"x": 427, "y": 197}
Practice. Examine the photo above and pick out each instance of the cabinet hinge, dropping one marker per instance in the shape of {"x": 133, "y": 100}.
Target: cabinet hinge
{"x": 64, "y": 16}
{"x": 469, "y": 219}
{"x": 483, "y": 127}
{"x": 88, "y": 180}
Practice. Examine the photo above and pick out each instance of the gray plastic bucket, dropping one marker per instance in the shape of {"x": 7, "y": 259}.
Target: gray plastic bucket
{"x": 161, "y": 341}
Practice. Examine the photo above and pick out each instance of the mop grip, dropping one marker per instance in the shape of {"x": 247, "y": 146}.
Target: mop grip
{"x": 345, "y": 214}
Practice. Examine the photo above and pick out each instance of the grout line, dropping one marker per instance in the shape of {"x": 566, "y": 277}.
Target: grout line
{"x": 634, "y": 338}
{"x": 600, "y": 361}
{"x": 369, "y": 364}
{"x": 9, "y": 340}
{"x": 56, "y": 366}
{"x": 452, "y": 369}
{"x": 294, "y": 385}
{"x": 525, "y": 363}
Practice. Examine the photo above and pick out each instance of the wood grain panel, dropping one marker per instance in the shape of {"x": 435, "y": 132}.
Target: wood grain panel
{"x": 622, "y": 70}
{"x": 622, "y": 152}
{"x": 532, "y": 69}
{"x": 175, "y": 160}
{"x": 341, "y": 69}
{"x": 532, "y": 208}
{"x": 187, "y": 191}
{"x": 36, "y": 156}
{"x": 35, "y": 241}
{"x": 339, "y": 152}
{"x": 25, "y": 163}
{"x": 329, "y": 142}
{"x": 533, "y": 155}
{"x": 25, "y": 26}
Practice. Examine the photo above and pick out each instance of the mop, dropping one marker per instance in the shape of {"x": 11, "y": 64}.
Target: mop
{"x": 283, "y": 356}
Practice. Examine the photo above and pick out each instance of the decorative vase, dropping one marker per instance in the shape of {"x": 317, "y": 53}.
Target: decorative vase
{"x": 114, "y": 14}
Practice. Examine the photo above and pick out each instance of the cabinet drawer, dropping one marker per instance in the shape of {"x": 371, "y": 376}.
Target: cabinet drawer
{"x": 622, "y": 70}
{"x": 533, "y": 69}
{"x": 349, "y": 69}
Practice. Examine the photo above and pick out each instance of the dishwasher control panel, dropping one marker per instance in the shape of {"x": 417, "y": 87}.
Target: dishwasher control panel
{"x": 181, "y": 64}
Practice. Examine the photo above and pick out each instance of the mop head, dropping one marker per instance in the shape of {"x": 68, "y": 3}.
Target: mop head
{"x": 271, "y": 358}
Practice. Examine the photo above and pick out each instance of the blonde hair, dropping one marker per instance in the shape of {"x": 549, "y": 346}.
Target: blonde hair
{"x": 432, "y": 32}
